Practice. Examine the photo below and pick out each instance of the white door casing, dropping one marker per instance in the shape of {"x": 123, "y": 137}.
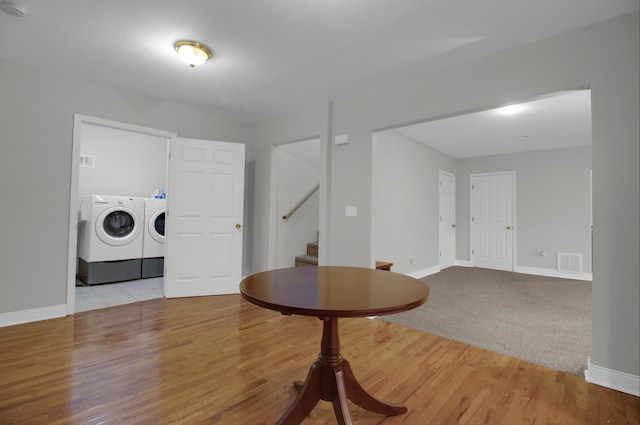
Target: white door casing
{"x": 204, "y": 218}
{"x": 447, "y": 224}
{"x": 492, "y": 220}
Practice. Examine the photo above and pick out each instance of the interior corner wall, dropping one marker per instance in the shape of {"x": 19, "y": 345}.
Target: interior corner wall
{"x": 603, "y": 57}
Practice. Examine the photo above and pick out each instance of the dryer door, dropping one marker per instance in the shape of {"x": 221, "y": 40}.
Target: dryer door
{"x": 118, "y": 226}
{"x": 156, "y": 226}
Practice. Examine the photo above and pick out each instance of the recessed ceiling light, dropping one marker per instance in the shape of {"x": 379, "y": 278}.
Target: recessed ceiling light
{"x": 510, "y": 110}
{"x": 192, "y": 52}
{"x": 13, "y": 9}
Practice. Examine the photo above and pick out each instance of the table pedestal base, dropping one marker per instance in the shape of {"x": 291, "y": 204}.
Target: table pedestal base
{"x": 331, "y": 379}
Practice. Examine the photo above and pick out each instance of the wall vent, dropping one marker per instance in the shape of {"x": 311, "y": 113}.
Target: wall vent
{"x": 569, "y": 263}
{"x": 88, "y": 161}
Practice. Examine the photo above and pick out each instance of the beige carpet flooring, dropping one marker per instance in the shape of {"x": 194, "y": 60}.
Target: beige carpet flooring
{"x": 543, "y": 320}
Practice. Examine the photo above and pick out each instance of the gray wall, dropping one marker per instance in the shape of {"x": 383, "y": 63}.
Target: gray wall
{"x": 36, "y": 118}
{"x": 553, "y": 200}
{"x": 126, "y": 163}
{"x": 405, "y": 211}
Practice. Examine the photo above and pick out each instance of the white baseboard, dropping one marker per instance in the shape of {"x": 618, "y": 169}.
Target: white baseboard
{"x": 424, "y": 272}
{"x": 613, "y": 379}
{"x": 33, "y": 315}
{"x": 538, "y": 271}
{"x": 553, "y": 273}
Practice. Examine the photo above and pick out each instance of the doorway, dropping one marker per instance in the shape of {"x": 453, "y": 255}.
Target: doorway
{"x": 295, "y": 177}
{"x": 129, "y": 181}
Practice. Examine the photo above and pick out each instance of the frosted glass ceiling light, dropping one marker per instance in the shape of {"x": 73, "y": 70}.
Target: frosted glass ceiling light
{"x": 193, "y": 53}
{"x": 12, "y": 9}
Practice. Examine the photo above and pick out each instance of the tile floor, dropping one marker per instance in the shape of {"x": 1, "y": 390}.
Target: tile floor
{"x": 111, "y": 294}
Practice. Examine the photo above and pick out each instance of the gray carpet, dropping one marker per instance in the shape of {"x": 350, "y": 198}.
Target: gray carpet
{"x": 543, "y": 320}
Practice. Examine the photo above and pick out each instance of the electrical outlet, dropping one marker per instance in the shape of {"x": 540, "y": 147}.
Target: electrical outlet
{"x": 410, "y": 259}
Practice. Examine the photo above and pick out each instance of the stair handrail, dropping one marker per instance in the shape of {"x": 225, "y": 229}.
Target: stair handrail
{"x": 299, "y": 204}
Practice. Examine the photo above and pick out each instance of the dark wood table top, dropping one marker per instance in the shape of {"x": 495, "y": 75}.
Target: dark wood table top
{"x": 334, "y": 291}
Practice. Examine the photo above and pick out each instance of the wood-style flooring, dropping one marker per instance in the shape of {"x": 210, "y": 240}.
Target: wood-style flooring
{"x": 222, "y": 360}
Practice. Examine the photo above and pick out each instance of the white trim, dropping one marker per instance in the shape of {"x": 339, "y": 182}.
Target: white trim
{"x": 613, "y": 379}
{"x": 373, "y": 198}
{"x": 553, "y": 273}
{"x": 538, "y": 271}
{"x": 272, "y": 228}
{"x": 32, "y": 315}
{"x": 424, "y": 272}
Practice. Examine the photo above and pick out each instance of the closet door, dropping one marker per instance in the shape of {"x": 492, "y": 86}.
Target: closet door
{"x": 492, "y": 221}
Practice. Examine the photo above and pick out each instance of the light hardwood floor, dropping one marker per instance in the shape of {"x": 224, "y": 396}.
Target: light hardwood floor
{"x": 222, "y": 360}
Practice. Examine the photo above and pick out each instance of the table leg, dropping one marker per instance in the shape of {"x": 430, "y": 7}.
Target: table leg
{"x": 308, "y": 397}
{"x": 362, "y": 398}
{"x": 331, "y": 379}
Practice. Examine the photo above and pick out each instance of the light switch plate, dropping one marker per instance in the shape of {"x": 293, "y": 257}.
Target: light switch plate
{"x": 342, "y": 139}
{"x": 351, "y": 211}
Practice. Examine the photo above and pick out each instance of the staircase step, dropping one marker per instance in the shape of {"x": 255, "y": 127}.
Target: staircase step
{"x": 306, "y": 260}
{"x": 312, "y": 249}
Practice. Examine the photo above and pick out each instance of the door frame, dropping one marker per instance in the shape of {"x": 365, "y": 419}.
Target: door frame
{"x": 514, "y": 245}
{"x": 72, "y": 248}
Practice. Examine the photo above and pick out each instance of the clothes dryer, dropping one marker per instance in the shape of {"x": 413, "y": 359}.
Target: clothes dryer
{"x": 153, "y": 241}
{"x": 110, "y": 234}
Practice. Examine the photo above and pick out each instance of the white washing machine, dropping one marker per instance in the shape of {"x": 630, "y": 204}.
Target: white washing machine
{"x": 110, "y": 238}
{"x": 153, "y": 245}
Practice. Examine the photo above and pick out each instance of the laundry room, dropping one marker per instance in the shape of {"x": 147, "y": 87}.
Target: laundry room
{"x": 122, "y": 184}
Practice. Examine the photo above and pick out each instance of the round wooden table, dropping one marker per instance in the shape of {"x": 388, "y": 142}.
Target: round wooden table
{"x": 331, "y": 292}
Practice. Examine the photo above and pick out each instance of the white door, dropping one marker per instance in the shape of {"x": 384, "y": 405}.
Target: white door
{"x": 447, "y": 219}
{"x": 492, "y": 221}
{"x": 204, "y": 218}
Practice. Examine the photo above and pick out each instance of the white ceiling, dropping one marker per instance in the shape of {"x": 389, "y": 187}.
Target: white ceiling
{"x": 559, "y": 120}
{"x": 271, "y": 56}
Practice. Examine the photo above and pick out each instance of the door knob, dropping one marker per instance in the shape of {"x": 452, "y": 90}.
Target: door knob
{"x": 238, "y": 226}
{"x": 508, "y": 227}
{"x": 453, "y": 225}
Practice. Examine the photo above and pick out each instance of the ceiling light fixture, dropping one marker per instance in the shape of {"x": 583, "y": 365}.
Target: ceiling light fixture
{"x": 192, "y": 52}
{"x": 510, "y": 109}
{"x": 13, "y": 9}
